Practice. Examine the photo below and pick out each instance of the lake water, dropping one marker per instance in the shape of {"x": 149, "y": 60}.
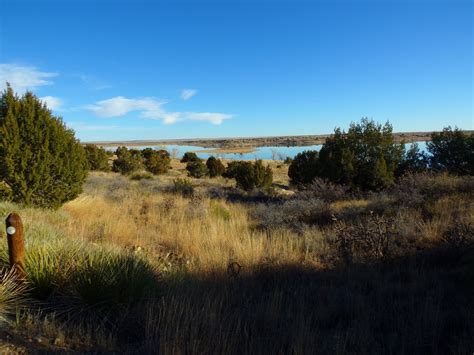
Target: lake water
{"x": 266, "y": 153}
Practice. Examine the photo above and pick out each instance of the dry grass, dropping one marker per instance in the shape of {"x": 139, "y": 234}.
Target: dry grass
{"x": 207, "y": 234}
{"x": 286, "y": 292}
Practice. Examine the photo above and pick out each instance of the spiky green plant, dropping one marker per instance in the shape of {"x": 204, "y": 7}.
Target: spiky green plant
{"x": 12, "y": 294}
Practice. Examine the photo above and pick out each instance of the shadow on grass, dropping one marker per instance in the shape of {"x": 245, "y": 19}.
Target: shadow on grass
{"x": 421, "y": 304}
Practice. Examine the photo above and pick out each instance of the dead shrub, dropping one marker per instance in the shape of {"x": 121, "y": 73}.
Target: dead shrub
{"x": 416, "y": 189}
{"x": 324, "y": 190}
{"x": 366, "y": 240}
{"x": 295, "y": 214}
{"x": 459, "y": 236}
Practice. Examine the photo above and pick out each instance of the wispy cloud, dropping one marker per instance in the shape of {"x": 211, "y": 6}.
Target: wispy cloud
{"x": 120, "y": 106}
{"x": 213, "y": 117}
{"x": 53, "y": 103}
{"x": 152, "y": 109}
{"x": 186, "y": 94}
{"x": 23, "y": 78}
{"x": 94, "y": 83}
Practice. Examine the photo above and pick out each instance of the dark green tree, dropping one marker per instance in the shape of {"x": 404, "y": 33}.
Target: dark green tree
{"x": 365, "y": 157}
{"x": 452, "y": 151}
{"x": 232, "y": 169}
{"x": 215, "y": 166}
{"x": 337, "y": 159}
{"x": 197, "y": 169}
{"x": 189, "y": 156}
{"x": 304, "y": 167}
{"x": 263, "y": 175}
{"x": 41, "y": 161}
{"x": 127, "y": 161}
{"x": 97, "y": 158}
{"x": 250, "y": 175}
{"x": 156, "y": 161}
{"x": 414, "y": 161}
{"x": 244, "y": 175}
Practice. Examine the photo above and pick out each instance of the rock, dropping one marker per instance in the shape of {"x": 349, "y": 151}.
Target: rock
{"x": 59, "y": 341}
{"x": 40, "y": 340}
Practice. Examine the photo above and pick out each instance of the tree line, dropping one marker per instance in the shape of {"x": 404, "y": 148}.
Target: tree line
{"x": 366, "y": 157}
{"x": 43, "y": 164}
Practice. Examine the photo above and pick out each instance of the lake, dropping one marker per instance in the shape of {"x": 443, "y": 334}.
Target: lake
{"x": 265, "y": 153}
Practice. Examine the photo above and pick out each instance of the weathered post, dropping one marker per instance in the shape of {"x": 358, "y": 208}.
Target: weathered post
{"x": 16, "y": 243}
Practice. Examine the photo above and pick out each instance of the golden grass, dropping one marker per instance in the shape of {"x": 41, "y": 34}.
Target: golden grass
{"x": 207, "y": 235}
{"x": 285, "y": 282}
{"x": 339, "y": 206}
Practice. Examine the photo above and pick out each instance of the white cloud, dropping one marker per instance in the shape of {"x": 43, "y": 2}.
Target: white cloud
{"x": 23, "y": 78}
{"x": 153, "y": 109}
{"x": 120, "y": 106}
{"x": 186, "y": 94}
{"x": 212, "y": 117}
{"x": 53, "y": 103}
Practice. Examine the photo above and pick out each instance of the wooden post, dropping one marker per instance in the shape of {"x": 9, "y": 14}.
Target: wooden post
{"x": 16, "y": 243}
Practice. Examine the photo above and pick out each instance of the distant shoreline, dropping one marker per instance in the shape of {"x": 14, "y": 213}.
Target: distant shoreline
{"x": 254, "y": 142}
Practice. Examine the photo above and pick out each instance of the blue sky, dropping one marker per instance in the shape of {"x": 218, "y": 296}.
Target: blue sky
{"x": 154, "y": 70}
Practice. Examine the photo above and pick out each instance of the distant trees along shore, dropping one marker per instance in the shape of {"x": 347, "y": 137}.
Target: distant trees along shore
{"x": 43, "y": 164}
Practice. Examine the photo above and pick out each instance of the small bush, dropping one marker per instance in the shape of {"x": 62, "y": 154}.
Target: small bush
{"x": 459, "y": 236}
{"x": 156, "y": 161}
{"x": 143, "y": 175}
{"x": 232, "y": 169}
{"x": 250, "y": 175}
{"x": 215, "y": 166}
{"x": 304, "y": 167}
{"x": 196, "y": 169}
{"x": 243, "y": 173}
{"x": 5, "y": 192}
{"x": 417, "y": 189}
{"x": 189, "y": 156}
{"x": 324, "y": 190}
{"x": 127, "y": 161}
{"x": 183, "y": 187}
{"x": 97, "y": 158}
{"x": 295, "y": 214}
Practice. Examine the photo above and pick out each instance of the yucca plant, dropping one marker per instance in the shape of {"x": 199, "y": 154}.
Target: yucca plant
{"x": 12, "y": 294}
{"x": 107, "y": 280}
{"x": 48, "y": 268}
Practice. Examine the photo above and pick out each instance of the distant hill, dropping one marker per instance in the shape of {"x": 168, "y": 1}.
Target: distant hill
{"x": 277, "y": 141}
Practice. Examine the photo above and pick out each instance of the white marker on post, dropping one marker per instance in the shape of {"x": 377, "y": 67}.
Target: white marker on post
{"x": 11, "y": 230}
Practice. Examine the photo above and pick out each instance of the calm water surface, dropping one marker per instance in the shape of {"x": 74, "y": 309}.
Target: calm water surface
{"x": 266, "y": 153}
